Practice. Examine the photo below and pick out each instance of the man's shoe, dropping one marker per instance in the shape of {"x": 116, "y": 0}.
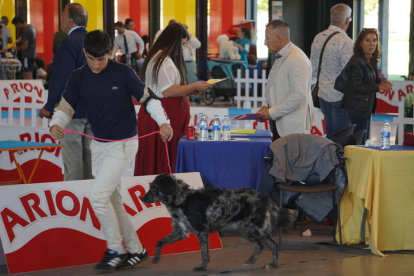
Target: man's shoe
{"x": 132, "y": 260}
{"x": 110, "y": 261}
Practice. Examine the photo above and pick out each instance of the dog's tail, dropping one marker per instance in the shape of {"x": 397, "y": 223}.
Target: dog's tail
{"x": 282, "y": 217}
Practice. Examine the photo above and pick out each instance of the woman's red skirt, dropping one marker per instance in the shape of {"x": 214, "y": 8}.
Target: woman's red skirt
{"x": 151, "y": 157}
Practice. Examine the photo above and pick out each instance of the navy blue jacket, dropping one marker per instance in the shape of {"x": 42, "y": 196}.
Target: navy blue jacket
{"x": 108, "y": 98}
{"x": 69, "y": 57}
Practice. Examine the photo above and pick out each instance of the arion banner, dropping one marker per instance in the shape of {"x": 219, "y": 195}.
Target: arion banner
{"x": 51, "y": 225}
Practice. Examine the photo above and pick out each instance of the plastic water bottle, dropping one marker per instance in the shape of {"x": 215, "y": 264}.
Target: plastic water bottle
{"x": 226, "y": 128}
{"x": 385, "y": 135}
{"x": 197, "y": 126}
{"x": 203, "y": 129}
{"x": 216, "y": 128}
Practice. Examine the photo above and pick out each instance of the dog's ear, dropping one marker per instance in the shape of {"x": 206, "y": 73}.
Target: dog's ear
{"x": 166, "y": 183}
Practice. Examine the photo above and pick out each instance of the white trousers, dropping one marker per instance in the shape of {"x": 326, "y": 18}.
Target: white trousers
{"x": 109, "y": 161}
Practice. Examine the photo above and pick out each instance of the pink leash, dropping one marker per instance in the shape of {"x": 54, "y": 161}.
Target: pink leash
{"x": 155, "y": 132}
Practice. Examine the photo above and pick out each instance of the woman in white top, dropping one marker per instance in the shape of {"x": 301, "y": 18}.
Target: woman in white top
{"x": 164, "y": 73}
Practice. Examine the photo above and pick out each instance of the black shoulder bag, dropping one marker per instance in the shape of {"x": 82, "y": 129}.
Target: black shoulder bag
{"x": 315, "y": 89}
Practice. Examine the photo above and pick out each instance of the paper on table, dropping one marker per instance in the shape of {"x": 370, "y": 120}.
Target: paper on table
{"x": 214, "y": 81}
{"x": 242, "y": 131}
{"x": 247, "y": 116}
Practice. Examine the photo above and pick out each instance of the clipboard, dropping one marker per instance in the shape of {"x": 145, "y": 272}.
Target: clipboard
{"x": 214, "y": 81}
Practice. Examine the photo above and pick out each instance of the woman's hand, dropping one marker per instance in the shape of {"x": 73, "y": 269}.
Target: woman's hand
{"x": 166, "y": 132}
{"x": 199, "y": 87}
{"x": 386, "y": 85}
{"x": 238, "y": 45}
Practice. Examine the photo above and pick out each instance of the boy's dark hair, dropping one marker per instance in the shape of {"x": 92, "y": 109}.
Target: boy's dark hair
{"x": 119, "y": 24}
{"x": 98, "y": 43}
{"x": 18, "y": 19}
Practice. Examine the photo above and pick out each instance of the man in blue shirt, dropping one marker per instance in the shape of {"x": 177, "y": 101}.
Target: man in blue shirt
{"x": 106, "y": 87}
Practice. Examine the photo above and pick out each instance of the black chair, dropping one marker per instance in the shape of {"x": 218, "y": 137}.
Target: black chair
{"x": 314, "y": 185}
{"x": 315, "y": 189}
{"x": 343, "y": 136}
{"x": 356, "y": 137}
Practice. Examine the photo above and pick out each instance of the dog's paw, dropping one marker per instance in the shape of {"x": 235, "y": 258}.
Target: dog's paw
{"x": 271, "y": 265}
{"x": 200, "y": 268}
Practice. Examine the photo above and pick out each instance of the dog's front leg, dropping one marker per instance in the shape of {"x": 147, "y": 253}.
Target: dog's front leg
{"x": 205, "y": 256}
{"x": 176, "y": 235}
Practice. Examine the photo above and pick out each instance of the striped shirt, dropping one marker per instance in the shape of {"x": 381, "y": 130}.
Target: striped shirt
{"x": 337, "y": 53}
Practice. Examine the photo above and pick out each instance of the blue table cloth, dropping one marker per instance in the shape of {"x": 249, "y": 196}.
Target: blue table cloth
{"x": 225, "y": 164}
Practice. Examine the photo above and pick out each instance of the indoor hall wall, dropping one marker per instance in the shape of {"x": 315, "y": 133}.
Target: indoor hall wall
{"x": 183, "y": 11}
{"x": 138, "y": 11}
{"x": 223, "y": 14}
{"x": 95, "y": 13}
{"x": 44, "y": 16}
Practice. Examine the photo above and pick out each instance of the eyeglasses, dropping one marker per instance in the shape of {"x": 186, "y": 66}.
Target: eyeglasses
{"x": 350, "y": 19}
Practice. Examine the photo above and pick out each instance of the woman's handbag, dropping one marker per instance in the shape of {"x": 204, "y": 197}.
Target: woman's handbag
{"x": 315, "y": 89}
{"x": 341, "y": 80}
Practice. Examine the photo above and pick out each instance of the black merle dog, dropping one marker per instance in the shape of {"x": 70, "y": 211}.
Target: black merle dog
{"x": 208, "y": 210}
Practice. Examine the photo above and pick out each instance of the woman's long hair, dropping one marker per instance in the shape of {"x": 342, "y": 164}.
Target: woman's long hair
{"x": 358, "y": 52}
{"x": 170, "y": 44}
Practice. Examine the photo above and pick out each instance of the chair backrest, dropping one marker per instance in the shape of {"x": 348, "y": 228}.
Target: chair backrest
{"x": 343, "y": 136}
{"x": 356, "y": 137}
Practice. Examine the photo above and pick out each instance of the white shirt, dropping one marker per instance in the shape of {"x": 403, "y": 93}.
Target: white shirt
{"x": 167, "y": 76}
{"x": 4, "y": 37}
{"x": 132, "y": 39}
{"x": 189, "y": 48}
{"x": 337, "y": 53}
{"x": 74, "y": 28}
{"x": 157, "y": 35}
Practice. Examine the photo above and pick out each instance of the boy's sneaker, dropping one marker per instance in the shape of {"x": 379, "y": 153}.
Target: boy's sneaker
{"x": 110, "y": 261}
{"x": 132, "y": 260}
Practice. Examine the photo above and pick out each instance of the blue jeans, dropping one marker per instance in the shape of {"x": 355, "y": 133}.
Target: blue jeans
{"x": 336, "y": 118}
{"x": 361, "y": 123}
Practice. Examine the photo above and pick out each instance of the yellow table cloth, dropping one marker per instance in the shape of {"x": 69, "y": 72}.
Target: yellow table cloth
{"x": 383, "y": 183}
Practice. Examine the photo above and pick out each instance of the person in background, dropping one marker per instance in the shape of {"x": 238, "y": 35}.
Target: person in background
{"x": 76, "y": 154}
{"x": 26, "y": 45}
{"x": 363, "y": 81}
{"x": 189, "y": 55}
{"x": 127, "y": 41}
{"x": 164, "y": 72}
{"x": 6, "y": 35}
{"x": 3, "y": 49}
{"x": 243, "y": 43}
{"x": 289, "y": 104}
{"x": 112, "y": 116}
{"x": 2, "y": 53}
{"x": 158, "y": 33}
{"x": 129, "y": 24}
{"x": 336, "y": 55}
{"x": 40, "y": 70}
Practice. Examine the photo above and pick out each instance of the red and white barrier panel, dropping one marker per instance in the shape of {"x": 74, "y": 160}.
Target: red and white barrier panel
{"x": 51, "y": 225}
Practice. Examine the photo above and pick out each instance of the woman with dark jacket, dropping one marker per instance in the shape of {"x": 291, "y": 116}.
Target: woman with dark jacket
{"x": 363, "y": 81}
